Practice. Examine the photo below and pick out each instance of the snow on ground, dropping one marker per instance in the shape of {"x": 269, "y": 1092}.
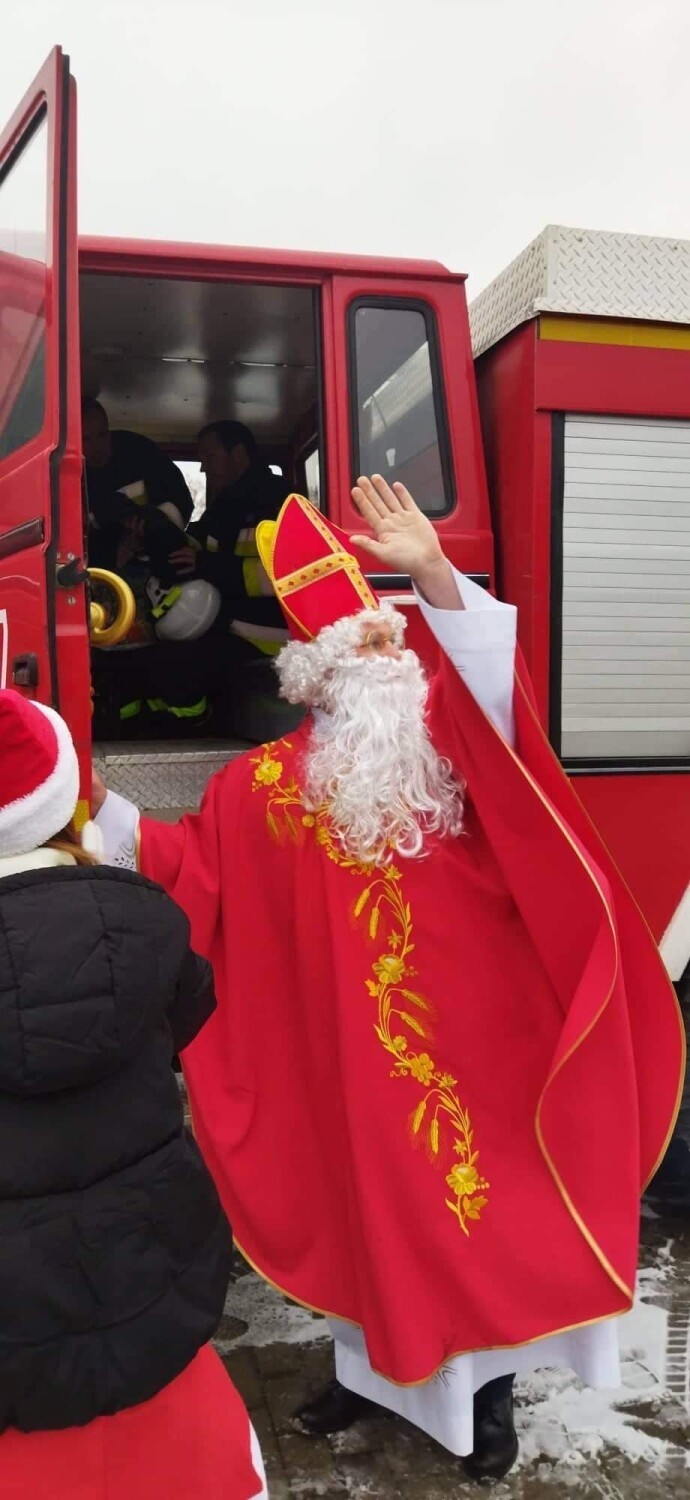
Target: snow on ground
{"x": 271, "y": 1318}
{"x": 559, "y": 1420}
{"x": 565, "y": 1422}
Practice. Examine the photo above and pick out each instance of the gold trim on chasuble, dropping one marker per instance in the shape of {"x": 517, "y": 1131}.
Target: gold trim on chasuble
{"x": 675, "y": 1001}
{"x": 584, "y": 1229}
{"x": 381, "y": 907}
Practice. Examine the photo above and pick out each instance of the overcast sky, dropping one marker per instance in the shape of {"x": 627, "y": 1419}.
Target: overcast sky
{"x": 454, "y": 129}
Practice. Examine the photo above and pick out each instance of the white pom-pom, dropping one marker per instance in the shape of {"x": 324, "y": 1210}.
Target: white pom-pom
{"x": 92, "y": 840}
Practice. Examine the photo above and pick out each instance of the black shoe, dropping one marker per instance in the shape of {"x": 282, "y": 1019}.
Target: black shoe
{"x": 495, "y": 1439}
{"x": 334, "y": 1410}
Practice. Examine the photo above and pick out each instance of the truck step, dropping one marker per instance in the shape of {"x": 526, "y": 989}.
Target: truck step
{"x": 163, "y": 775}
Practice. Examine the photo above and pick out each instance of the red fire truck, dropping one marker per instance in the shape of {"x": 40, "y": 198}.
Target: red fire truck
{"x": 341, "y": 364}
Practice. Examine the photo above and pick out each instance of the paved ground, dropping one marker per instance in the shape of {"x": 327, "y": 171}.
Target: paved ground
{"x": 627, "y": 1445}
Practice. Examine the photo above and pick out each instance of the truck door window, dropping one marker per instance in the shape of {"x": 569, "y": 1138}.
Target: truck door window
{"x": 23, "y": 285}
{"x": 399, "y": 427}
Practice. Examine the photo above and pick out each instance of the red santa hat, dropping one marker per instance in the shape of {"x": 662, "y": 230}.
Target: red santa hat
{"x": 39, "y": 774}
{"x": 317, "y": 579}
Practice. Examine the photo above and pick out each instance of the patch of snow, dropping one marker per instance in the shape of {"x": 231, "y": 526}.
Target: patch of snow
{"x": 359, "y": 1486}
{"x": 271, "y": 1318}
{"x": 569, "y": 1424}
{"x": 314, "y": 1487}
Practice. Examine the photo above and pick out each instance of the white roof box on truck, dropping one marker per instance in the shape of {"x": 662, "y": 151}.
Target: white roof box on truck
{"x": 587, "y": 273}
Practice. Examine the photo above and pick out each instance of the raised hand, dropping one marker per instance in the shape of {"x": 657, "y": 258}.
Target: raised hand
{"x": 404, "y": 539}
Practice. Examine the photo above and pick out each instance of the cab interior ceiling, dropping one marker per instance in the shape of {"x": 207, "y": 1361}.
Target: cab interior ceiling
{"x": 166, "y": 356}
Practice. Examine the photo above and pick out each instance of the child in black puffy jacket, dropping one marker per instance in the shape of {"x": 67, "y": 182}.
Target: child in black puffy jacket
{"x": 114, "y": 1250}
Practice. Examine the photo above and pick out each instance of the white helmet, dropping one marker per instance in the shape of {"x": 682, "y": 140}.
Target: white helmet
{"x": 186, "y": 611}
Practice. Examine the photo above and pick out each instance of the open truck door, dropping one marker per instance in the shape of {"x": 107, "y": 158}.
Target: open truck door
{"x": 43, "y": 609}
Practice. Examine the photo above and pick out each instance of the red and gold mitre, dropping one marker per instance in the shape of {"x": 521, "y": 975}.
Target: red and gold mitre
{"x": 316, "y": 578}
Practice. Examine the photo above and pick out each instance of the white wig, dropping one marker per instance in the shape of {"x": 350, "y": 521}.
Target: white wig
{"x": 370, "y": 759}
{"x": 305, "y": 666}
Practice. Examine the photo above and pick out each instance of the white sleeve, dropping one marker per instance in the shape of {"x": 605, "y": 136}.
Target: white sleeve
{"x": 480, "y": 641}
{"x": 118, "y": 822}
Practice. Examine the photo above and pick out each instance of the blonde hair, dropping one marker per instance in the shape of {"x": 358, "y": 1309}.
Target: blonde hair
{"x": 67, "y": 841}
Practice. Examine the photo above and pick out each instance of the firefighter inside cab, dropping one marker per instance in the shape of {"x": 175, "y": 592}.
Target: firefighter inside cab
{"x": 204, "y": 607}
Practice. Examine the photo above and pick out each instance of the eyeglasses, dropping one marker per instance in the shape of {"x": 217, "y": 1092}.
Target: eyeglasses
{"x": 376, "y": 640}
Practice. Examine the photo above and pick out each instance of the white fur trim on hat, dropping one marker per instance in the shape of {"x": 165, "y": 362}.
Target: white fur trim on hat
{"x": 30, "y": 821}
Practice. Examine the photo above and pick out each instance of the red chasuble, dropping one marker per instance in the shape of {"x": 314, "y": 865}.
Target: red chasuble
{"x": 432, "y": 1092}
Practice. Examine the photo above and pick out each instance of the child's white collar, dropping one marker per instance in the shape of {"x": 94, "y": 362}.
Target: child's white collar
{"x": 38, "y": 859}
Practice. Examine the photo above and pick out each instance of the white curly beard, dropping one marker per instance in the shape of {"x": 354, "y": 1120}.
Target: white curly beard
{"x": 370, "y": 760}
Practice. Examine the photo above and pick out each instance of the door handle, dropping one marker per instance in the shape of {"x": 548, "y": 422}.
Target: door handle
{"x": 71, "y": 574}
{"x": 25, "y": 670}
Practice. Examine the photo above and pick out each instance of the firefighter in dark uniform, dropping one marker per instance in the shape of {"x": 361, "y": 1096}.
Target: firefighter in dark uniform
{"x": 221, "y": 547}
{"x": 177, "y": 681}
{"x": 138, "y": 505}
{"x": 125, "y": 471}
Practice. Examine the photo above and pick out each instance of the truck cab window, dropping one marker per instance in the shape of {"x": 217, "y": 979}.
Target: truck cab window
{"x": 312, "y": 476}
{"x": 23, "y": 277}
{"x": 195, "y": 480}
{"x": 399, "y": 426}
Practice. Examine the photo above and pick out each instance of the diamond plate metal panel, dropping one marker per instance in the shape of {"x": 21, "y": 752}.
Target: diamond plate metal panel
{"x": 586, "y": 272}
{"x": 157, "y": 778}
{"x": 511, "y": 299}
{"x": 617, "y": 275}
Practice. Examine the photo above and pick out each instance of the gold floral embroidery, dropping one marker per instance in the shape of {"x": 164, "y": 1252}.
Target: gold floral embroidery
{"x": 400, "y": 1009}
{"x": 267, "y": 771}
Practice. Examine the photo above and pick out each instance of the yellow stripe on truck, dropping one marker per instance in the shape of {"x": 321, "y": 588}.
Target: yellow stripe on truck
{"x": 614, "y": 331}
